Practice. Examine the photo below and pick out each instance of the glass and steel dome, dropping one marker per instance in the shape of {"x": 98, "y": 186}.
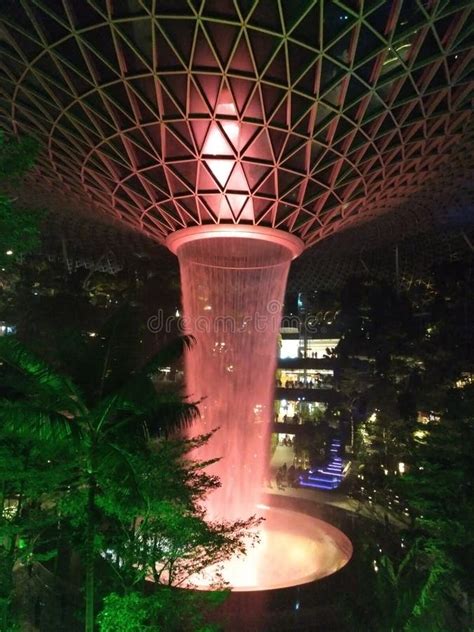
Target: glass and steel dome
{"x": 305, "y": 116}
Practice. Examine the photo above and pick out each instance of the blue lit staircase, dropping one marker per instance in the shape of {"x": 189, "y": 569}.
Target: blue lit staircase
{"x": 330, "y": 475}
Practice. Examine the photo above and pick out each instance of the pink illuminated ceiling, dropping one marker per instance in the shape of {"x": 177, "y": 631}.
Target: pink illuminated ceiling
{"x": 304, "y": 115}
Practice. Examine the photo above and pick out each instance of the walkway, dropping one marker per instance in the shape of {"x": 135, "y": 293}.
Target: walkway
{"x": 366, "y": 509}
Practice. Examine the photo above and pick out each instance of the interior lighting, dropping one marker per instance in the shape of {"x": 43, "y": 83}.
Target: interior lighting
{"x": 219, "y": 153}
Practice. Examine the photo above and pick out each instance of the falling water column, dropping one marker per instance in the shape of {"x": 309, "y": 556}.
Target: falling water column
{"x": 233, "y": 281}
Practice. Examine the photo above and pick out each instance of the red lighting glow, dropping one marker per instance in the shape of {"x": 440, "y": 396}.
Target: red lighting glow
{"x": 293, "y": 549}
{"x": 223, "y": 140}
{"x": 233, "y": 281}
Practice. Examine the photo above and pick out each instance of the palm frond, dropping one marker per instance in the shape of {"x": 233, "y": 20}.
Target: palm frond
{"x": 43, "y": 379}
{"x": 155, "y": 415}
{"x": 408, "y": 559}
{"x": 165, "y": 356}
{"x": 138, "y": 388}
{"x": 168, "y": 354}
{"x": 23, "y": 418}
{"x": 171, "y": 414}
{"x": 117, "y": 463}
{"x": 105, "y": 412}
{"x": 117, "y": 376}
{"x": 18, "y": 387}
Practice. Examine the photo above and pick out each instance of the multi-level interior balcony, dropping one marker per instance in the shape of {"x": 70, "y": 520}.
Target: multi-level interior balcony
{"x": 304, "y": 379}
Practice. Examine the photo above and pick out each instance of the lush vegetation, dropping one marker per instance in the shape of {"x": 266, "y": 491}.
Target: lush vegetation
{"x": 412, "y": 403}
{"x": 96, "y": 488}
{"x": 19, "y": 227}
{"x": 88, "y": 472}
{"x": 98, "y": 495}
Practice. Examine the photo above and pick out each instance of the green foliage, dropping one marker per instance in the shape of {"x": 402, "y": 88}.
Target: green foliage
{"x": 440, "y": 489}
{"x": 313, "y": 441}
{"x": 17, "y": 156}
{"x": 413, "y": 364}
{"x": 19, "y": 228}
{"x": 19, "y": 231}
{"x": 170, "y": 540}
{"x": 166, "y": 610}
{"x": 125, "y": 498}
{"x": 127, "y": 613}
{"x": 404, "y": 589}
{"x": 31, "y": 477}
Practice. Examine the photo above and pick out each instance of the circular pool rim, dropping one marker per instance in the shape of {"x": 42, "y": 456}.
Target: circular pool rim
{"x": 301, "y": 526}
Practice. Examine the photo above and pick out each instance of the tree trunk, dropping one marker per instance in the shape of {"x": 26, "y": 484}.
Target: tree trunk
{"x": 7, "y": 585}
{"x": 90, "y": 561}
{"x": 352, "y": 434}
{"x": 7, "y": 579}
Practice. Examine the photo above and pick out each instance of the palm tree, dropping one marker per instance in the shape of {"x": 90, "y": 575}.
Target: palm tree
{"x": 44, "y": 403}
